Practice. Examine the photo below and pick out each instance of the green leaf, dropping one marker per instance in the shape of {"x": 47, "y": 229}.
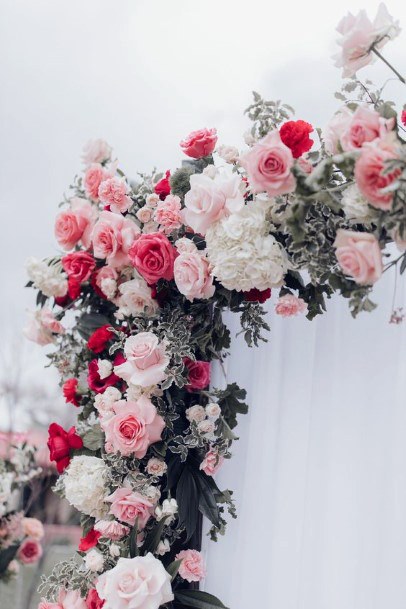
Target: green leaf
{"x": 89, "y": 322}
{"x": 403, "y": 265}
{"x": 93, "y": 439}
{"x": 207, "y": 501}
{"x": 173, "y": 568}
{"x": 132, "y": 541}
{"x": 198, "y": 599}
{"x": 6, "y": 556}
{"x": 154, "y": 536}
{"x": 187, "y": 497}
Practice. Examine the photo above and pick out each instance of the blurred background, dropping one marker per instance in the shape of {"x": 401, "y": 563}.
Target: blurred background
{"x": 322, "y": 514}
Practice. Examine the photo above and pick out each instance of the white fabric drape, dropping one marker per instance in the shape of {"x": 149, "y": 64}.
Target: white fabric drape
{"x": 319, "y": 472}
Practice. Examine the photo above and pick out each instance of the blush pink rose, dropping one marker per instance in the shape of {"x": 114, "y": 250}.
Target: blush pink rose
{"x": 128, "y": 505}
{"x": 199, "y": 374}
{"x": 366, "y": 125}
{"x": 71, "y": 599}
{"x": 268, "y": 165}
{"x": 211, "y": 462}
{"x": 335, "y": 128}
{"x": 369, "y": 173}
{"x": 146, "y": 360}
{"x": 168, "y": 214}
{"x": 42, "y": 327}
{"x": 359, "y": 256}
{"x": 113, "y": 192}
{"x": 94, "y": 176}
{"x": 33, "y": 528}
{"x": 133, "y": 427}
{"x": 75, "y": 224}
{"x": 199, "y": 144}
{"x": 46, "y": 605}
{"x": 192, "y": 567}
{"x": 153, "y": 256}
{"x": 111, "y": 529}
{"x": 290, "y": 305}
{"x": 208, "y": 200}
{"x": 112, "y": 238}
{"x": 29, "y": 552}
{"x": 96, "y": 151}
{"x": 192, "y": 276}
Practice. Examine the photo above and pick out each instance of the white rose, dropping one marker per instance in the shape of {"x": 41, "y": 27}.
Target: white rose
{"x": 96, "y": 151}
{"x": 211, "y": 171}
{"x": 94, "y": 561}
{"x": 156, "y": 467}
{"x": 135, "y": 298}
{"x": 213, "y": 410}
{"x": 50, "y": 279}
{"x": 103, "y": 402}
{"x": 104, "y": 367}
{"x": 206, "y": 427}
{"x": 169, "y": 508}
{"x": 85, "y": 485}
{"x": 184, "y": 245}
{"x": 195, "y": 413}
{"x": 114, "y": 550}
{"x": 163, "y": 547}
{"x": 229, "y": 154}
{"x": 152, "y": 200}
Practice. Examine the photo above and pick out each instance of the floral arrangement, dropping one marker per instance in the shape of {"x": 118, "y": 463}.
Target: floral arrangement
{"x": 134, "y": 308}
{"x": 19, "y": 536}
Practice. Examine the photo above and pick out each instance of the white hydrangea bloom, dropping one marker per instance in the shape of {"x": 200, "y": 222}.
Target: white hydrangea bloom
{"x": 84, "y": 484}
{"x": 50, "y": 279}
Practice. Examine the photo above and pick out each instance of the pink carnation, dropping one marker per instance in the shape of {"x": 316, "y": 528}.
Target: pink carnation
{"x": 290, "y": 305}
{"x": 112, "y": 238}
{"x": 359, "y": 256}
{"x": 128, "y": 506}
{"x": 199, "y": 144}
{"x": 111, "y": 529}
{"x": 168, "y": 214}
{"x": 192, "y": 567}
{"x": 113, "y": 192}
{"x": 211, "y": 462}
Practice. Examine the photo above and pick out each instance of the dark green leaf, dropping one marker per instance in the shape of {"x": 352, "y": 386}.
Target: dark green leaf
{"x": 89, "y": 322}
{"x": 187, "y": 497}
{"x": 154, "y": 536}
{"x": 132, "y": 542}
{"x": 6, "y": 556}
{"x": 173, "y": 568}
{"x": 196, "y": 599}
{"x": 207, "y": 501}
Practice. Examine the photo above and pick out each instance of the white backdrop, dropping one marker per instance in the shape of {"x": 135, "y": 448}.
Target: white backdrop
{"x": 320, "y": 469}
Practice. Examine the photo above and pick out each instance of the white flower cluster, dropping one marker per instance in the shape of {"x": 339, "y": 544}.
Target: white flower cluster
{"x": 48, "y": 278}
{"x": 355, "y": 207}
{"x": 85, "y": 485}
{"x": 242, "y": 253}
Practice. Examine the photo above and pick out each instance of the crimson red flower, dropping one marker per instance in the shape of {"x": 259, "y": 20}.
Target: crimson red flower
{"x": 153, "y": 255}
{"x": 295, "y": 135}
{"x": 99, "y": 339}
{"x": 70, "y": 391}
{"x": 163, "y": 187}
{"x": 255, "y": 295}
{"x": 199, "y": 374}
{"x": 93, "y": 600}
{"x": 61, "y": 443}
{"x": 403, "y": 117}
{"x": 79, "y": 265}
{"x": 96, "y": 383}
{"x": 89, "y": 541}
{"x": 73, "y": 288}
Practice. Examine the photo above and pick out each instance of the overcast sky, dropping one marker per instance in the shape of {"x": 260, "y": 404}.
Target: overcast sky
{"x": 142, "y": 74}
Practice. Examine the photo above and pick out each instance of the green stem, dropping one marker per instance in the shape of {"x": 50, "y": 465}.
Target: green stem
{"x": 378, "y": 54}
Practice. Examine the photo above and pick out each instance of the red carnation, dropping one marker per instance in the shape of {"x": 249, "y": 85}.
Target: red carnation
{"x": 93, "y": 600}
{"x": 295, "y": 135}
{"x": 403, "y": 117}
{"x": 99, "y": 339}
{"x": 70, "y": 391}
{"x": 79, "y": 265}
{"x": 199, "y": 374}
{"x": 89, "y": 541}
{"x": 153, "y": 255}
{"x": 255, "y": 295}
{"x": 96, "y": 383}
{"x": 60, "y": 444}
{"x": 163, "y": 187}
{"x": 73, "y": 288}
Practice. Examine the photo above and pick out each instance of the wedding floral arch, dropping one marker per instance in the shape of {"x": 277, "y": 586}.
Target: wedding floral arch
{"x": 134, "y": 309}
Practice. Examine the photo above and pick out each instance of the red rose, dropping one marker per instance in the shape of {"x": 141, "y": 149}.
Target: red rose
{"x": 95, "y": 382}
{"x": 255, "y": 295}
{"x": 79, "y": 265}
{"x": 403, "y": 117}
{"x": 199, "y": 144}
{"x": 295, "y": 135}
{"x": 93, "y": 600}
{"x": 163, "y": 187}
{"x": 89, "y": 541}
{"x": 60, "y": 444}
{"x": 70, "y": 391}
{"x": 153, "y": 256}
{"x": 99, "y": 339}
{"x": 199, "y": 374}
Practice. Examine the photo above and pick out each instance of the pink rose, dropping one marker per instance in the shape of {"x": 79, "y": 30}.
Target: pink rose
{"x": 366, "y": 125}
{"x": 29, "y": 552}
{"x": 113, "y": 192}
{"x": 71, "y": 599}
{"x": 211, "y": 462}
{"x": 111, "y": 529}
{"x": 369, "y": 173}
{"x": 112, "y": 238}
{"x": 146, "y": 360}
{"x": 42, "y": 326}
{"x": 144, "y": 214}
{"x": 209, "y": 199}
{"x": 168, "y": 214}
{"x": 33, "y": 528}
{"x": 136, "y": 583}
{"x": 192, "y": 566}
{"x": 199, "y": 144}
{"x": 268, "y": 164}
{"x": 359, "y": 256}
{"x": 46, "y": 605}
{"x": 94, "y": 176}
{"x": 128, "y": 505}
{"x": 153, "y": 256}
{"x": 337, "y": 125}
{"x": 192, "y": 276}
{"x": 133, "y": 427}
{"x": 75, "y": 224}
{"x": 290, "y": 305}
{"x": 359, "y": 33}
{"x": 96, "y": 151}
{"x": 199, "y": 374}
{"x": 78, "y": 266}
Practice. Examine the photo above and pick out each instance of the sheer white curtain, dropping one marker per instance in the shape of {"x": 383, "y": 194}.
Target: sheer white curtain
{"x": 320, "y": 470}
